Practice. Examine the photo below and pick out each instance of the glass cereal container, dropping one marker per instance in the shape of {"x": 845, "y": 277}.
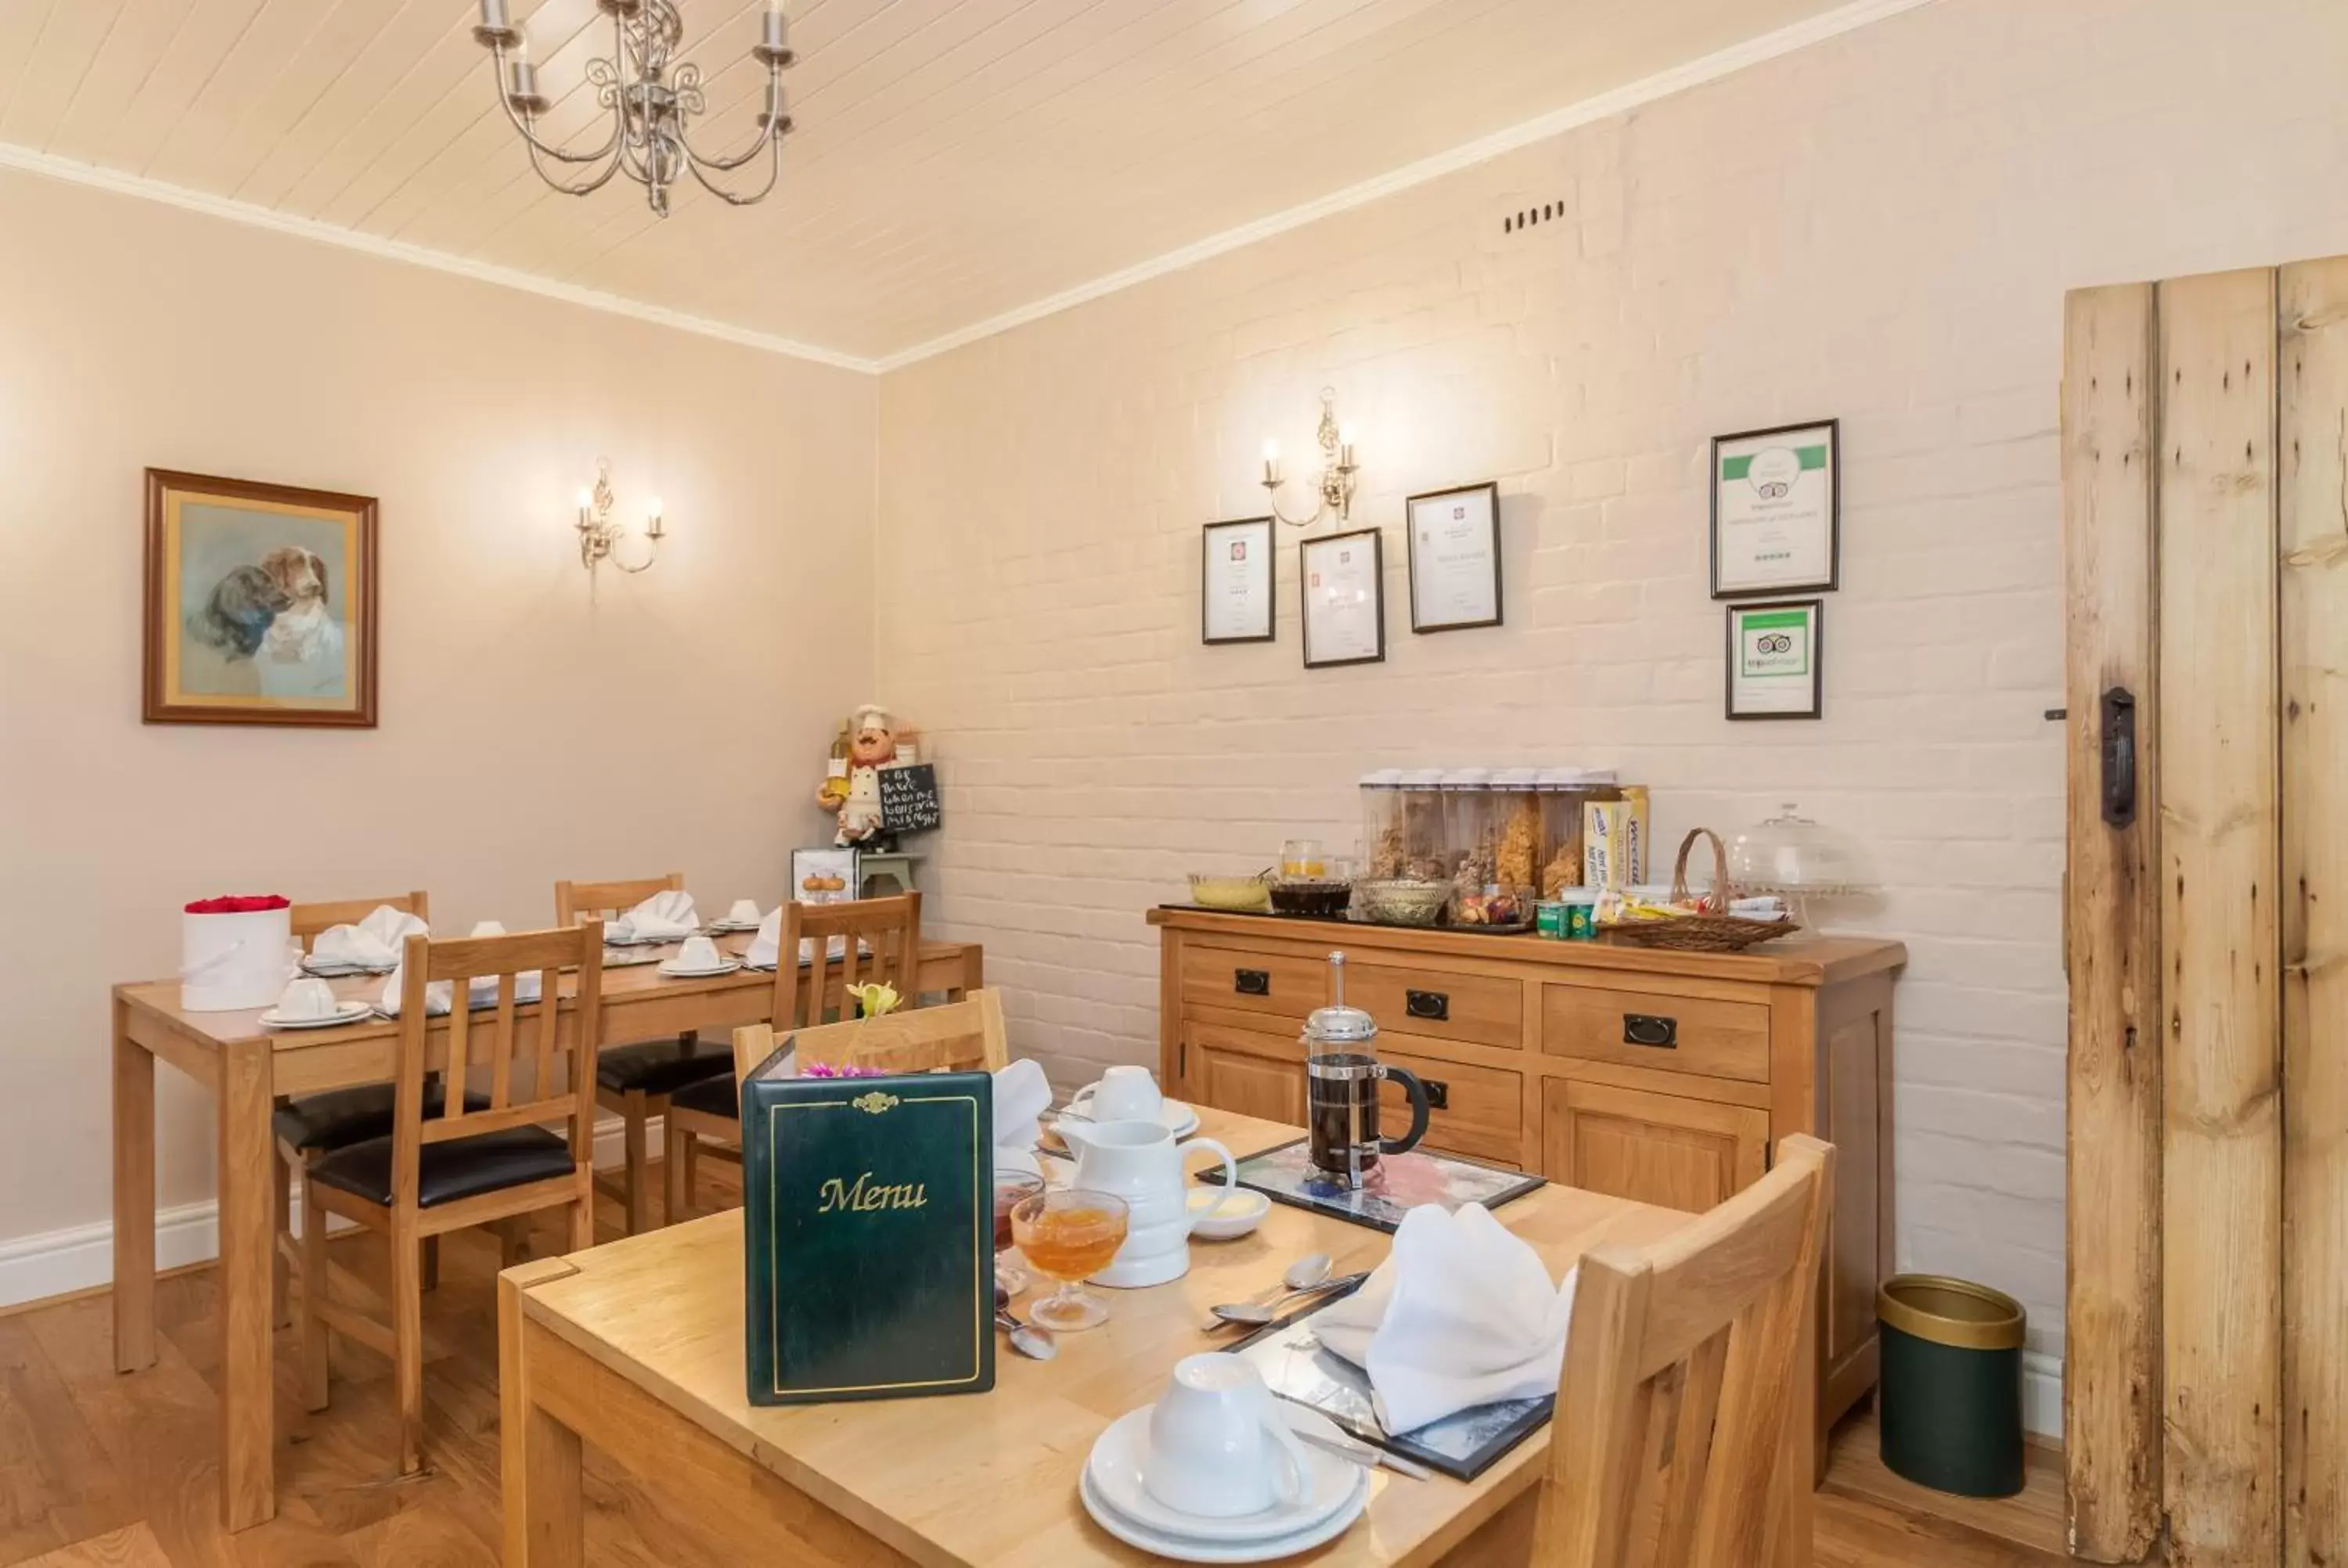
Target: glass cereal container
{"x": 1563, "y": 793}
{"x": 1384, "y": 853}
{"x": 1517, "y": 832}
{"x": 1425, "y": 847}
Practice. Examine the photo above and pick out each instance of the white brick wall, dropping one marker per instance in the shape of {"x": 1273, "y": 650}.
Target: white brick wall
{"x": 1881, "y": 228}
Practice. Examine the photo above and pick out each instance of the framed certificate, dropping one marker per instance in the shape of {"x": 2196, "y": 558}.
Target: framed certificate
{"x": 1772, "y": 660}
{"x": 1235, "y": 583}
{"x": 1776, "y": 510}
{"x": 1345, "y": 600}
{"x": 1455, "y": 558}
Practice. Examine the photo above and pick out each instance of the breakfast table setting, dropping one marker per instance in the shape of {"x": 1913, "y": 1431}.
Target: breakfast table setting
{"x": 253, "y": 1019}
{"x": 1184, "y": 1353}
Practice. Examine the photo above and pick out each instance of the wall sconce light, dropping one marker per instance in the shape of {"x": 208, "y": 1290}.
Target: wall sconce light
{"x": 599, "y": 536}
{"x": 1336, "y": 481}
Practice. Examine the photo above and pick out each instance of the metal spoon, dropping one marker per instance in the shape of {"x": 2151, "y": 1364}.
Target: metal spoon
{"x": 1030, "y": 1341}
{"x": 1305, "y": 1272}
{"x": 1255, "y": 1315}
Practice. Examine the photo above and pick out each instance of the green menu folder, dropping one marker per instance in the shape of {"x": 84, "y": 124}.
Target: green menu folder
{"x": 868, "y": 1229}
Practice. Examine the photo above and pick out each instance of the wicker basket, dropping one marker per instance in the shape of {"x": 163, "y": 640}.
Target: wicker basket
{"x": 1698, "y": 933}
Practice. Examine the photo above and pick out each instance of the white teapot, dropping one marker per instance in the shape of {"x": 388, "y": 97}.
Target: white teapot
{"x": 1141, "y": 1162}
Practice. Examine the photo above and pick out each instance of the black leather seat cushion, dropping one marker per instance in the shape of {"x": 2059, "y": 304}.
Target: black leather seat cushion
{"x": 341, "y": 1117}
{"x": 460, "y": 1168}
{"x": 662, "y": 1066}
{"x": 711, "y": 1096}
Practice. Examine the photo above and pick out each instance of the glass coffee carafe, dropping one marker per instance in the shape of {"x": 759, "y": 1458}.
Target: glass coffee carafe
{"x": 1342, "y": 1074}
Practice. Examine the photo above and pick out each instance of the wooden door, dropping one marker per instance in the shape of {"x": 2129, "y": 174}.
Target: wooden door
{"x": 1652, "y": 1148}
{"x": 1242, "y": 1071}
{"x": 2206, "y": 524}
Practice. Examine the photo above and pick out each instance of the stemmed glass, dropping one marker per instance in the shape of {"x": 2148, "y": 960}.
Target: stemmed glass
{"x": 1011, "y": 1188}
{"x": 1065, "y": 1235}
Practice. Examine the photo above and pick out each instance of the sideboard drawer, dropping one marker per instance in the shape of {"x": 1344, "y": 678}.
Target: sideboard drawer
{"x": 1644, "y": 1029}
{"x": 1483, "y": 1010}
{"x": 1482, "y": 1114}
{"x": 1278, "y": 983}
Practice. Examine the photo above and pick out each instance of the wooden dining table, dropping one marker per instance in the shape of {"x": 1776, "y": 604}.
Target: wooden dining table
{"x": 635, "y": 1350}
{"x": 248, "y": 1066}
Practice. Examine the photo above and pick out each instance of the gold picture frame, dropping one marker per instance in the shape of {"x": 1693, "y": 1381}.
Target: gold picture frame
{"x": 260, "y": 604}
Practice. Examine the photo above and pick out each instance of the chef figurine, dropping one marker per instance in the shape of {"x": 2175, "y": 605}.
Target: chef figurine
{"x": 873, "y": 745}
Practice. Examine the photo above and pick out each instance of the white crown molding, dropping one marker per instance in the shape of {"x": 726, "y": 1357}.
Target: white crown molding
{"x": 1679, "y": 78}
{"x": 1648, "y": 89}
{"x": 75, "y": 172}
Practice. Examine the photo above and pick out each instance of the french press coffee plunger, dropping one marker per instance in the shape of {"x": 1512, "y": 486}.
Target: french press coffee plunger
{"x": 1342, "y": 1073}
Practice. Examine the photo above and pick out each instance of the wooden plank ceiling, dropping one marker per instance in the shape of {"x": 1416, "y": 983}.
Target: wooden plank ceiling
{"x": 955, "y": 158}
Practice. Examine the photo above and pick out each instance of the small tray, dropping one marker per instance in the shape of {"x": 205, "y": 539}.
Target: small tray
{"x": 1286, "y": 1174}
{"x": 1300, "y": 1369}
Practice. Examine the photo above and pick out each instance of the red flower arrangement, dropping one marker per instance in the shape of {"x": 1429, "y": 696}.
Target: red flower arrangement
{"x": 240, "y": 904}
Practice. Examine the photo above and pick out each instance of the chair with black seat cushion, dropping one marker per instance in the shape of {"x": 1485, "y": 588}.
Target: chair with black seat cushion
{"x": 461, "y": 1164}
{"x": 317, "y": 1124}
{"x": 885, "y": 931}
{"x": 637, "y": 1080}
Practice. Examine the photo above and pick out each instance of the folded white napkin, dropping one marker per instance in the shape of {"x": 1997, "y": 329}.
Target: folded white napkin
{"x": 1461, "y": 1313}
{"x": 1022, "y": 1094}
{"x": 767, "y": 945}
{"x": 667, "y": 916}
{"x": 374, "y": 942}
{"x": 439, "y": 995}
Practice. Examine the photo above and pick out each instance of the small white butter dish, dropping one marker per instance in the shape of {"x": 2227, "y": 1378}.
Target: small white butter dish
{"x": 1236, "y": 1218}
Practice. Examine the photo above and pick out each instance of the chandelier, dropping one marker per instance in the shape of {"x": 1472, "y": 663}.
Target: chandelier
{"x": 649, "y": 97}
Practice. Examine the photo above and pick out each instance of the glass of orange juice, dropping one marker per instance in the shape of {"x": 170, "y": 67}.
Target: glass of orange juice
{"x": 1065, "y": 1234}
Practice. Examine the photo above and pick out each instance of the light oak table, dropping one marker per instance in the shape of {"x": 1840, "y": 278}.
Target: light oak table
{"x": 636, "y": 1350}
{"x": 247, "y": 1067}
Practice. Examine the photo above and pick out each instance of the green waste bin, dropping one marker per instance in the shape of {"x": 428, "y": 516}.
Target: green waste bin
{"x": 1951, "y": 1397}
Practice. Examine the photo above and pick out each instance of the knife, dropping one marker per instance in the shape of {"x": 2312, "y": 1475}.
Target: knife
{"x": 1354, "y": 1447}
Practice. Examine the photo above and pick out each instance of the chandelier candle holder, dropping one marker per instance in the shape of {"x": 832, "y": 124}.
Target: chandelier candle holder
{"x": 600, "y": 536}
{"x": 1334, "y": 484}
{"x": 650, "y": 98}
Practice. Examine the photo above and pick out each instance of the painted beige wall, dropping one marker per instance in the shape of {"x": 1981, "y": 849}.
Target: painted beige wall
{"x": 528, "y": 731}
{"x": 1881, "y": 228}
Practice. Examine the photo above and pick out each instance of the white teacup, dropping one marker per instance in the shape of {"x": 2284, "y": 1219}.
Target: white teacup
{"x": 745, "y": 912}
{"x": 307, "y": 998}
{"x": 698, "y": 953}
{"x": 1219, "y": 1446}
{"x": 1124, "y": 1094}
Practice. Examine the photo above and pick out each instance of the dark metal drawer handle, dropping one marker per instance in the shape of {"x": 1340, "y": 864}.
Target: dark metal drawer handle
{"x": 1434, "y": 1005}
{"x": 1439, "y": 1094}
{"x": 1646, "y": 1028}
{"x": 1251, "y": 982}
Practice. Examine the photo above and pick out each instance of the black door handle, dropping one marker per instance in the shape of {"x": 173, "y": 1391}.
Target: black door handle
{"x": 1647, "y": 1029}
{"x": 1436, "y": 1005}
{"x": 1251, "y": 982}
{"x": 2120, "y": 757}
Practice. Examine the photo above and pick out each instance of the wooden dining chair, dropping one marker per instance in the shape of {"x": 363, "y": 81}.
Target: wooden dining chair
{"x": 707, "y": 1113}
{"x": 461, "y": 1165}
{"x": 1682, "y": 1394}
{"x": 313, "y": 1125}
{"x": 636, "y": 1078}
{"x": 955, "y": 1037}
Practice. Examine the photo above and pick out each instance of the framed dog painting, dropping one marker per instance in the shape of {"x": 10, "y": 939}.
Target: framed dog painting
{"x": 261, "y": 603}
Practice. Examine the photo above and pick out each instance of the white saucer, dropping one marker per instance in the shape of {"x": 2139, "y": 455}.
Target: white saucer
{"x": 1237, "y": 1218}
{"x": 724, "y": 967}
{"x": 1113, "y": 1470}
{"x": 329, "y": 969}
{"x": 1174, "y": 1115}
{"x": 344, "y": 1012}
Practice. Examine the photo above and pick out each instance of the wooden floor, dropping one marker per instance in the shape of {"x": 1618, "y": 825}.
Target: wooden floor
{"x": 99, "y": 1471}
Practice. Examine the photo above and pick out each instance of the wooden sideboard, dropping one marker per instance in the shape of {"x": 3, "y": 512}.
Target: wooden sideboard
{"x": 1665, "y": 1078}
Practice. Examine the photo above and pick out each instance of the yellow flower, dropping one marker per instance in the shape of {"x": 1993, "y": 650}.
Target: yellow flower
{"x": 874, "y": 1002}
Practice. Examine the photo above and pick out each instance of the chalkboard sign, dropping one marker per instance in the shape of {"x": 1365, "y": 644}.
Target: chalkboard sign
{"x": 909, "y": 799}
